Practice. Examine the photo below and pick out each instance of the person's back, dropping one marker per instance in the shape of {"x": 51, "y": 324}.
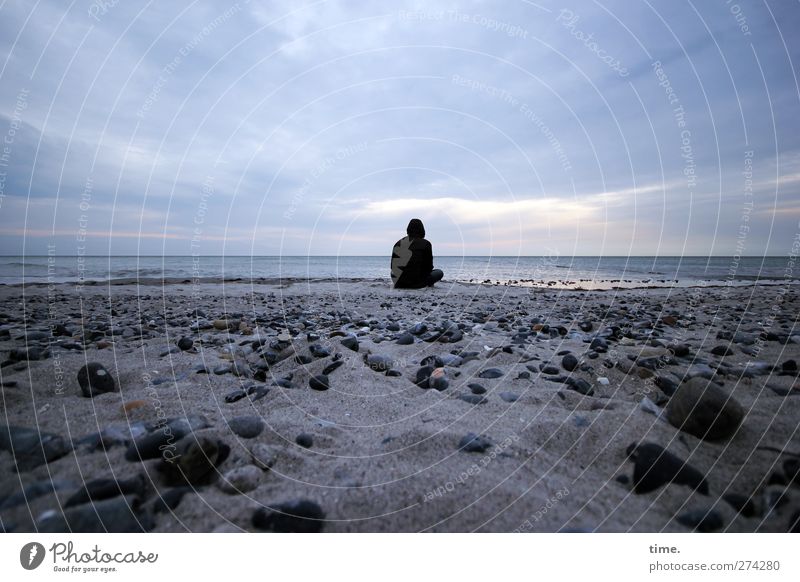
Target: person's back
{"x": 412, "y": 259}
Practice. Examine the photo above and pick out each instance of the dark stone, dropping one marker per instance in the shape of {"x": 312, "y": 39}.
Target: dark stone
{"x": 423, "y": 375}
{"x": 701, "y": 520}
{"x": 31, "y": 448}
{"x": 579, "y": 385}
{"x": 476, "y": 388}
{"x": 704, "y": 410}
{"x": 332, "y": 367}
{"x": 722, "y": 351}
{"x": 667, "y": 385}
{"x": 99, "y": 489}
{"x": 789, "y": 366}
{"x": 350, "y": 342}
{"x": 319, "y": 382}
{"x": 117, "y": 515}
{"x": 185, "y": 343}
{"x": 405, "y": 339}
{"x": 378, "y": 362}
{"x": 195, "y": 461}
{"x": 34, "y": 491}
{"x": 94, "y": 379}
{"x": 433, "y": 361}
{"x": 222, "y": 369}
{"x": 473, "y": 443}
{"x": 509, "y": 396}
{"x": 303, "y": 359}
{"x": 654, "y": 466}
{"x": 247, "y": 427}
{"x": 791, "y": 468}
{"x": 680, "y": 350}
{"x": 394, "y": 373}
{"x": 599, "y": 345}
{"x": 235, "y": 395}
{"x": 305, "y": 440}
{"x": 418, "y": 329}
{"x": 170, "y": 499}
{"x": 438, "y": 380}
{"x": 550, "y": 370}
{"x": 491, "y": 373}
{"x": 569, "y": 362}
{"x": 473, "y": 398}
{"x": 296, "y": 516}
{"x": 319, "y": 351}
{"x": 742, "y": 504}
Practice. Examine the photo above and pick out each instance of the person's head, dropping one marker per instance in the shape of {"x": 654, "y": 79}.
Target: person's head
{"x": 415, "y": 228}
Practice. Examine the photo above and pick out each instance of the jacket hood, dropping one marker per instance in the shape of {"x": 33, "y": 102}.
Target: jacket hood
{"x": 415, "y": 228}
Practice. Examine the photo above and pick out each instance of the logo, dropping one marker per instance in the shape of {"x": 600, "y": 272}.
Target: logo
{"x": 31, "y": 555}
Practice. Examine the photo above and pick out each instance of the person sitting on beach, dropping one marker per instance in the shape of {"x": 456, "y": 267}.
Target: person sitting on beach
{"x": 412, "y": 259}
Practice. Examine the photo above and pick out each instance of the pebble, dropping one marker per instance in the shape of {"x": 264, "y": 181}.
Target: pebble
{"x": 702, "y": 520}
{"x": 195, "y": 461}
{"x": 476, "y": 388}
{"x": 34, "y": 491}
{"x": 509, "y": 396}
{"x": 473, "y": 398}
{"x": 741, "y": 503}
{"x": 654, "y": 466}
{"x": 117, "y": 515}
{"x": 319, "y": 351}
{"x": 332, "y": 367}
{"x": 491, "y": 373}
{"x": 305, "y": 440}
{"x": 579, "y": 385}
{"x": 378, "y": 362}
{"x": 722, "y": 351}
{"x": 569, "y": 362}
{"x": 438, "y": 380}
{"x": 473, "y": 443}
{"x": 170, "y": 499}
{"x": 704, "y": 410}
{"x": 94, "y": 379}
{"x": 240, "y": 480}
{"x": 99, "y": 489}
{"x": 423, "y": 375}
{"x": 350, "y": 342}
{"x": 30, "y": 447}
{"x": 247, "y": 427}
{"x": 185, "y": 343}
{"x": 296, "y": 516}
{"x": 319, "y": 382}
{"x": 405, "y": 339}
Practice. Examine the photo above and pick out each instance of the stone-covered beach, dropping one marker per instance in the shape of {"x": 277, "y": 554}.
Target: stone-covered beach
{"x": 325, "y": 406}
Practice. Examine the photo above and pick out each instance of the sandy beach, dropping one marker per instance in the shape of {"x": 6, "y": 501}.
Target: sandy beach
{"x": 350, "y": 406}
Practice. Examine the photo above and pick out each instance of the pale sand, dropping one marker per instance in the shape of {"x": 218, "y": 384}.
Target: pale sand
{"x": 385, "y": 454}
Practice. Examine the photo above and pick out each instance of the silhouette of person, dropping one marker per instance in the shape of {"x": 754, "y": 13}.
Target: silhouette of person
{"x": 412, "y": 259}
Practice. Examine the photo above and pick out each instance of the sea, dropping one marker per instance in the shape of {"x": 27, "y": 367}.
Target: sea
{"x": 597, "y": 272}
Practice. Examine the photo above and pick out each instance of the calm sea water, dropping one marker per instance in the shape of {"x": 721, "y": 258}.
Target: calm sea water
{"x": 562, "y": 272}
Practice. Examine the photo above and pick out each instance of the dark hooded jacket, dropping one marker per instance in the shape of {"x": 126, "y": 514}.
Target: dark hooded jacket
{"x": 412, "y": 258}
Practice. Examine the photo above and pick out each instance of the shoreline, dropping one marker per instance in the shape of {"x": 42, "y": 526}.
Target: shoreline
{"x": 567, "y": 285}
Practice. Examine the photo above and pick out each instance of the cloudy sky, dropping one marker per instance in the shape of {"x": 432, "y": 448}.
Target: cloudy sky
{"x": 263, "y": 127}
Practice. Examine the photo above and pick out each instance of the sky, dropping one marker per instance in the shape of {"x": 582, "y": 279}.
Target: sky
{"x": 296, "y": 128}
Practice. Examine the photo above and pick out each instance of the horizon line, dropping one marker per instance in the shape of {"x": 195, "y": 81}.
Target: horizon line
{"x": 384, "y": 256}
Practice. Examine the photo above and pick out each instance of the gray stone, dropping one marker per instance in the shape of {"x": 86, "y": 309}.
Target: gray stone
{"x": 247, "y": 427}
{"x": 704, "y": 410}
{"x": 240, "y": 480}
{"x": 94, "y": 379}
